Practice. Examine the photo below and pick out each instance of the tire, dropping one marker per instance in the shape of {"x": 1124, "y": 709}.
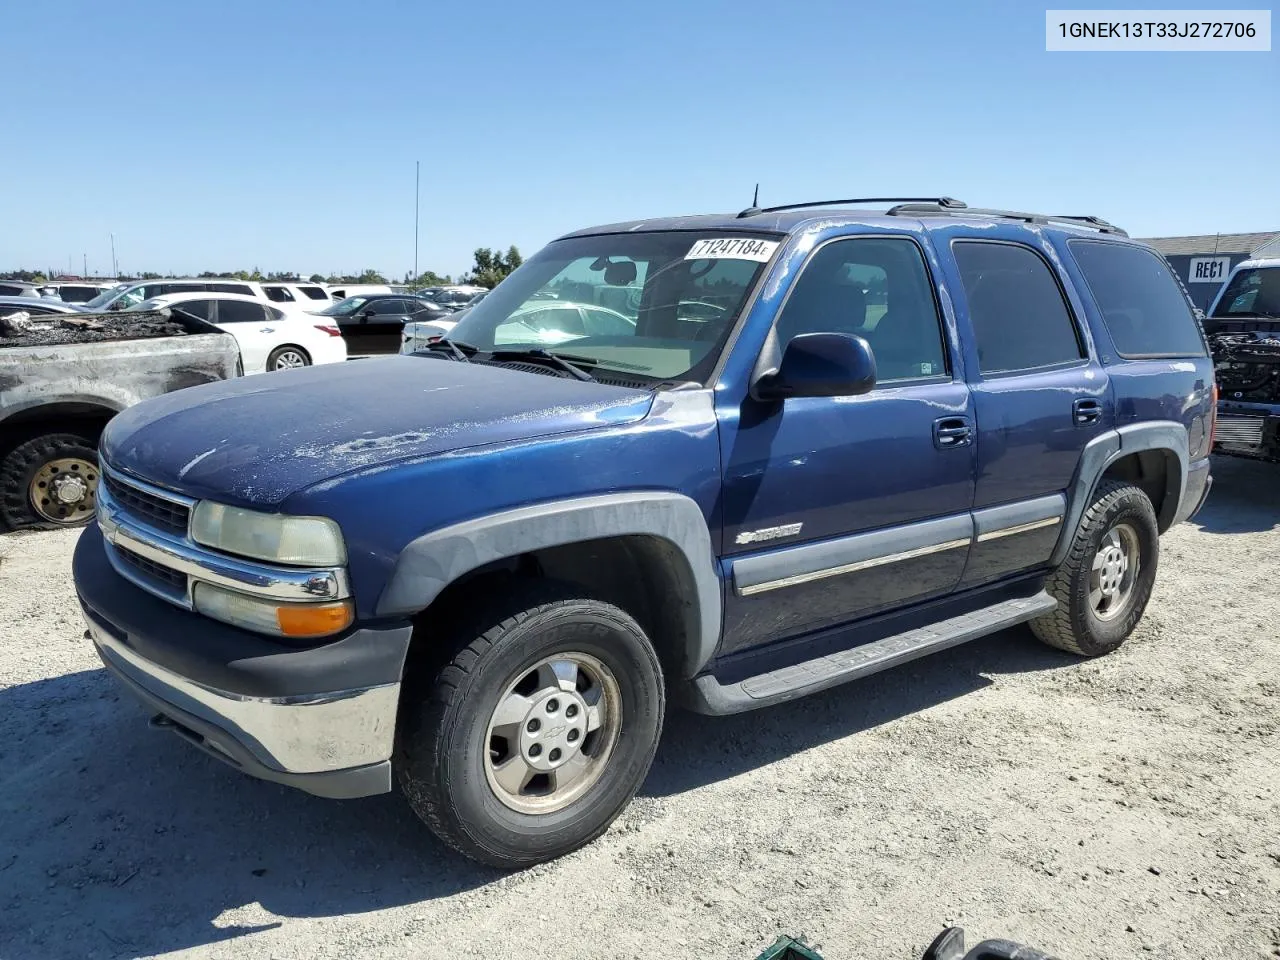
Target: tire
{"x": 300, "y": 356}
{"x": 448, "y": 747}
{"x": 1078, "y": 625}
{"x": 26, "y": 468}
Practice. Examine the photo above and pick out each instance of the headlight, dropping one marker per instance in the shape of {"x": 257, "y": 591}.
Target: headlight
{"x": 300, "y": 541}
{"x": 272, "y": 616}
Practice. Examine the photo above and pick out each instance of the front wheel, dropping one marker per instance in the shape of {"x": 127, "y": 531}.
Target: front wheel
{"x": 1103, "y": 586}
{"x": 539, "y": 730}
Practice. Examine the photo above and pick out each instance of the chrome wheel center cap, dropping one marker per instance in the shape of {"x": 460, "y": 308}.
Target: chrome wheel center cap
{"x": 69, "y": 489}
{"x": 553, "y": 730}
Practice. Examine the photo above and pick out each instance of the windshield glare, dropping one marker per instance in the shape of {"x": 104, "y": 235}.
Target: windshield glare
{"x": 1255, "y": 291}
{"x": 631, "y": 303}
{"x": 344, "y": 308}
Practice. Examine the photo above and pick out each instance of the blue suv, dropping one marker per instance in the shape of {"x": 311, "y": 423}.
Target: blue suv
{"x": 721, "y": 461}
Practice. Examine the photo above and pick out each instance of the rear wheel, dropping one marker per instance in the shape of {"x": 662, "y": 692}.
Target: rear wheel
{"x": 1103, "y": 586}
{"x": 538, "y": 732}
{"x": 288, "y": 357}
{"x": 48, "y": 482}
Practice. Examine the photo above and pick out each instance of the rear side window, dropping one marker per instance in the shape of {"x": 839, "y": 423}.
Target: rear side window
{"x": 1019, "y": 317}
{"x": 278, "y": 294}
{"x": 1141, "y": 303}
{"x": 315, "y": 293}
{"x": 232, "y": 288}
{"x": 240, "y": 311}
{"x": 195, "y": 308}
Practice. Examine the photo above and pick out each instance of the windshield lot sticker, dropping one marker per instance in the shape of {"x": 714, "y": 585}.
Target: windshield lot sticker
{"x": 733, "y": 248}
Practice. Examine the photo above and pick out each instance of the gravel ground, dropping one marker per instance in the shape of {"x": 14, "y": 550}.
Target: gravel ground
{"x": 1125, "y": 807}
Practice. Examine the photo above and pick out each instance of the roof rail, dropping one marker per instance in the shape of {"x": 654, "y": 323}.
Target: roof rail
{"x": 941, "y": 203}
{"x": 925, "y": 208}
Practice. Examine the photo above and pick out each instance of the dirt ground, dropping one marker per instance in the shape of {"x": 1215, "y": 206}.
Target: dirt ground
{"x": 1124, "y": 807}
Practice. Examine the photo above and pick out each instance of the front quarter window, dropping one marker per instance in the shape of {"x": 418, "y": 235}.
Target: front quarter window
{"x": 652, "y": 307}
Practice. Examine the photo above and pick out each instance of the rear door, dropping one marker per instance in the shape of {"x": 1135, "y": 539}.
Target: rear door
{"x": 253, "y": 329}
{"x": 1039, "y": 393}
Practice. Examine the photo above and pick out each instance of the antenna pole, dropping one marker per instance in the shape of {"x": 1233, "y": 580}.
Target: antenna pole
{"x": 755, "y": 197}
{"x": 417, "y": 166}
{"x": 115, "y": 267}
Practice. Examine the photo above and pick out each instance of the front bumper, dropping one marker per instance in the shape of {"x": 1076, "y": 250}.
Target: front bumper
{"x": 321, "y": 719}
{"x": 1248, "y": 430}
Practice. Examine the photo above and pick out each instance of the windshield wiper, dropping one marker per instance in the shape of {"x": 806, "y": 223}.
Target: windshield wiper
{"x": 453, "y": 348}
{"x": 537, "y": 353}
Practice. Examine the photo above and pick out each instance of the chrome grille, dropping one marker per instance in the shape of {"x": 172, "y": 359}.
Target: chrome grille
{"x": 152, "y": 510}
{"x": 1239, "y": 431}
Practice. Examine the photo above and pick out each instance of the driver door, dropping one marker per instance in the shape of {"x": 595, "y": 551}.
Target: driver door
{"x": 837, "y": 508}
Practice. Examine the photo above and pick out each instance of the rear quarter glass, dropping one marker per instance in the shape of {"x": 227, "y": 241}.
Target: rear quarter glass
{"x": 1141, "y": 303}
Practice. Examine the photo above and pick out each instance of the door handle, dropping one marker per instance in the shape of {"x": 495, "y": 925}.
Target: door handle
{"x": 952, "y": 432}
{"x": 1086, "y": 411}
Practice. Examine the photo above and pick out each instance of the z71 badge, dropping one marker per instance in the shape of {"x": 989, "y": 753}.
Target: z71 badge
{"x": 768, "y": 533}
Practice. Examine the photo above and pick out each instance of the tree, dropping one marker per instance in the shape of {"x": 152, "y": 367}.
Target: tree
{"x": 428, "y": 278}
{"x": 316, "y": 278}
{"x": 371, "y": 276}
{"x": 492, "y": 267}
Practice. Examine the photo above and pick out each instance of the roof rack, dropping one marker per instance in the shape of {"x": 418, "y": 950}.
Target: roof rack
{"x": 927, "y": 208}
{"x": 939, "y": 203}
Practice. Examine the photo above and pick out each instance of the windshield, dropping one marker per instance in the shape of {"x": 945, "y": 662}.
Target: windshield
{"x": 102, "y": 299}
{"x": 655, "y": 306}
{"x": 1251, "y": 292}
{"x": 344, "y": 308}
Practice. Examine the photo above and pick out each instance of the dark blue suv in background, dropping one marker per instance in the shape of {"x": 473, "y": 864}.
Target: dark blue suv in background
{"x": 724, "y": 461}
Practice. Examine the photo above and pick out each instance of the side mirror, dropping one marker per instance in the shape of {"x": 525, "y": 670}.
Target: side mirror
{"x": 820, "y": 365}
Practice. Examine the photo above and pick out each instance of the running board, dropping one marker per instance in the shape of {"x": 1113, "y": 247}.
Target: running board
{"x": 707, "y": 695}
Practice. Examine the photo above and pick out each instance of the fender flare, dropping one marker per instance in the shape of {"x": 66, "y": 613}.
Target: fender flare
{"x": 432, "y": 561}
{"x": 1105, "y": 449}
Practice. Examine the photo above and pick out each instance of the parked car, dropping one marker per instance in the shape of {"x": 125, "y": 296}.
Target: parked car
{"x": 62, "y": 384}
{"x": 75, "y": 292}
{"x": 269, "y": 339}
{"x": 487, "y": 568}
{"x": 19, "y": 288}
{"x": 1244, "y": 333}
{"x": 309, "y": 297}
{"x": 375, "y": 324}
{"x": 341, "y": 291}
{"x": 35, "y": 306}
{"x": 132, "y": 294}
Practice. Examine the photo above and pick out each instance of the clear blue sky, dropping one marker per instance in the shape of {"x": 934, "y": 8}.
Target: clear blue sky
{"x": 282, "y": 134}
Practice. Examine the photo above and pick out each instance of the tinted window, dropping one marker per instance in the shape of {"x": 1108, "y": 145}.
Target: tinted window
{"x": 1016, "y": 308}
{"x": 239, "y": 311}
{"x": 1141, "y": 303}
{"x": 70, "y": 293}
{"x": 877, "y": 289}
{"x": 1251, "y": 293}
{"x": 240, "y": 288}
{"x": 195, "y": 308}
{"x": 163, "y": 288}
{"x": 315, "y": 293}
{"x": 278, "y": 294}
{"x": 388, "y": 307}
{"x": 10, "y": 290}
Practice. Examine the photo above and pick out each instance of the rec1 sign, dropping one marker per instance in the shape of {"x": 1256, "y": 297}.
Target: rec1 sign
{"x": 1209, "y": 269}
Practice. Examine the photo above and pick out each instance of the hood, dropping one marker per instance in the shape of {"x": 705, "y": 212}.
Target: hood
{"x": 253, "y": 441}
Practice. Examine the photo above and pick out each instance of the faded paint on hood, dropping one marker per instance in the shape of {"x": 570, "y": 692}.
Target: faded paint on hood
{"x": 256, "y": 440}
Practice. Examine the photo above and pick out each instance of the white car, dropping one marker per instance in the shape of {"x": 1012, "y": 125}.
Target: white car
{"x": 269, "y": 338}
{"x": 292, "y": 297}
